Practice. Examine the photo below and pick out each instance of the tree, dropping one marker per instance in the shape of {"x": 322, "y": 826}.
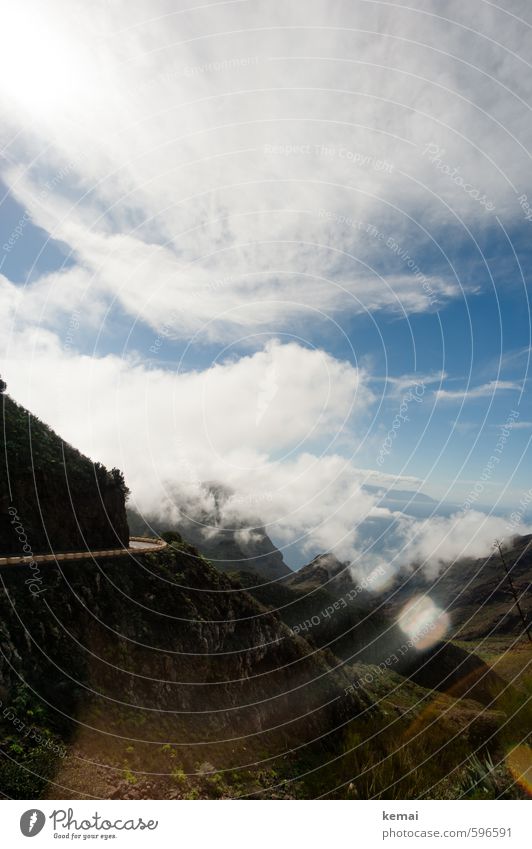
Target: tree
{"x": 3, "y": 385}
{"x": 172, "y": 536}
{"x": 516, "y": 599}
{"x": 120, "y": 482}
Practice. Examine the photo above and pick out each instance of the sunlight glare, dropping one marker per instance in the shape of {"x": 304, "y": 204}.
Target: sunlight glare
{"x": 40, "y": 67}
{"x": 423, "y": 622}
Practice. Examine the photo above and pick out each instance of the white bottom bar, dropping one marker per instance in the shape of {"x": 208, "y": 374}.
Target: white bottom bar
{"x": 268, "y": 825}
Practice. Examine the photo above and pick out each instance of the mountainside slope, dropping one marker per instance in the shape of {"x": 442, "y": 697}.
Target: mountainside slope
{"x": 154, "y": 664}
{"x": 52, "y": 498}
{"x": 476, "y": 593}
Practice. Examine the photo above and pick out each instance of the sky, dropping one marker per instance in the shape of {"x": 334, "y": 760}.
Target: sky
{"x": 284, "y": 246}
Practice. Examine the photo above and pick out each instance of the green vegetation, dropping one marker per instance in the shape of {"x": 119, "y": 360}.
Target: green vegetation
{"x": 31, "y": 745}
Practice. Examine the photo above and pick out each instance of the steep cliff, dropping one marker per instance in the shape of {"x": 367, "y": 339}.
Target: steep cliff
{"x": 52, "y": 498}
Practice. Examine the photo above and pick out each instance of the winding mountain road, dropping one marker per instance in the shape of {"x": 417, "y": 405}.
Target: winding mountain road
{"x": 136, "y": 545}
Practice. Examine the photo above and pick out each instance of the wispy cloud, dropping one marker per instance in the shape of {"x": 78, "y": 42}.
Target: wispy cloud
{"x": 524, "y": 425}
{"x": 396, "y": 386}
{"x": 485, "y": 390}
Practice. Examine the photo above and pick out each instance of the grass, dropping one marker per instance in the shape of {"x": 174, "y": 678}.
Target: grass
{"x": 437, "y": 746}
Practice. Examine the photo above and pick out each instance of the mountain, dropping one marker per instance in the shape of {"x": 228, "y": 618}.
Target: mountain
{"x": 338, "y": 612}
{"x": 399, "y": 495}
{"x": 241, "y": 547}
{"x": 320, "y": 571}
{"x": 238, "y": 548}
{"x": 52, "y": 498}
{"x": 476, "y": 592}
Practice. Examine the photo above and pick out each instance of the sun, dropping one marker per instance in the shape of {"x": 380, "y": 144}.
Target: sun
{"x": 42, "y": 68}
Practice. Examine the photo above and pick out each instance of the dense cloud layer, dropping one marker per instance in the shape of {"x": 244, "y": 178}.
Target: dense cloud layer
{"x": 253, "y": 159}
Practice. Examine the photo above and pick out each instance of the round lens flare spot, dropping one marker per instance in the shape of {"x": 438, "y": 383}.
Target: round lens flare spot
{"x": 423, "y": 622}
{"x": 519, "y": 762}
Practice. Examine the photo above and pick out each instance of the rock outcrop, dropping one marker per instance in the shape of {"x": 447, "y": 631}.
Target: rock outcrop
{"x": 52, "y": 498}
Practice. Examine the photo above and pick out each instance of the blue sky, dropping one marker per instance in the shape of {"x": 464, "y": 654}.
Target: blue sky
{"x": 207, "y": 221}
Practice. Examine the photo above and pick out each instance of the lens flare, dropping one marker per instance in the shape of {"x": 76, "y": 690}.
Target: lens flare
{"x": 519, "y": 762}
{"x": 423, "y": 622}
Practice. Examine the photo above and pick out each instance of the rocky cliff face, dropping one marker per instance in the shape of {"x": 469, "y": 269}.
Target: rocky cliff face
{"x": 52, "y": 498}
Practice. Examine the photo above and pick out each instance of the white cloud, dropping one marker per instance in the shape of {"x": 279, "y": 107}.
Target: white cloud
{"x": 399, "y": 385}
{"x": 158, "y": 424}
{"x": 264, "y": 279}
{"x": 485, "y": 390}
{"x": 438, "y": 540}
